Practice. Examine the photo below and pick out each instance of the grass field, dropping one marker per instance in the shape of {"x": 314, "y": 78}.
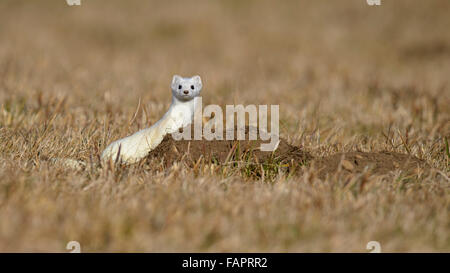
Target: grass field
{"x": 347, "y": 77}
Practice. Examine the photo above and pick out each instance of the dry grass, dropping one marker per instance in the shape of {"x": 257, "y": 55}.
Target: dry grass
{"x": 347, "y": 77}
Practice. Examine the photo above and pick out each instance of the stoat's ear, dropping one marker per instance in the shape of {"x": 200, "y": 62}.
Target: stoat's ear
{"x": 175, "y": 80}
{"x": 197, "y": 81}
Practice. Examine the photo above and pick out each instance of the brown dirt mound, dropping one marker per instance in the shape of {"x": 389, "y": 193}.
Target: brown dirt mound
{"x": 378, "y": 163}
{"x": 286, "y": 155}
{"x": 223, "y": 151}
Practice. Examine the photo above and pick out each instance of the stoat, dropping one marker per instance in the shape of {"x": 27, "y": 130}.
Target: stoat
{"x": 131, "y": 149}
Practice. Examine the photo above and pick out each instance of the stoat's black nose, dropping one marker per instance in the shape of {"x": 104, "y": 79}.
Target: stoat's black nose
{"x": 186, "y": 92}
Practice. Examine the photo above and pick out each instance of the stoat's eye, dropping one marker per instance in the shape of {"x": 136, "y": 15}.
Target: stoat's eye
{"x": 179, "y": 86}
{"x": 192, "y": 87}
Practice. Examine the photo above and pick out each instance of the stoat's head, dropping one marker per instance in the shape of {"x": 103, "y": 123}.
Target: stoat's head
{"x": 185, "y": 89}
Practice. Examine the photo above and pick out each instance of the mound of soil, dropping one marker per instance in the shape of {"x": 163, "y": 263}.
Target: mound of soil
{"x": 225, "y": 151}
{"x": 378, "y": 163}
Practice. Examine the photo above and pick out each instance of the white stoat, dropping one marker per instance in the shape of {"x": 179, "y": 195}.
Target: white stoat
{"x": 185, "y": 97}
{"x": 185, "y": 94}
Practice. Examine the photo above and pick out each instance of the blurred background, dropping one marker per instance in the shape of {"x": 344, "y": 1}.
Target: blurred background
{"x": 307, "y": 53}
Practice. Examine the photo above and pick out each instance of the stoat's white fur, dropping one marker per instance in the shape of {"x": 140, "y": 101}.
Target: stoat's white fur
{"x": 131, "y": 149}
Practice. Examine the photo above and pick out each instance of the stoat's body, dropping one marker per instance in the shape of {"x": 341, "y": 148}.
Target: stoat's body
{"x": 185, "y": 94}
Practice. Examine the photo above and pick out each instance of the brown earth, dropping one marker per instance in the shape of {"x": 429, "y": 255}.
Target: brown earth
{"x": 379, "y": 163}
{"x": 226, "y": 151}
{"x": 286, "y": 155}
